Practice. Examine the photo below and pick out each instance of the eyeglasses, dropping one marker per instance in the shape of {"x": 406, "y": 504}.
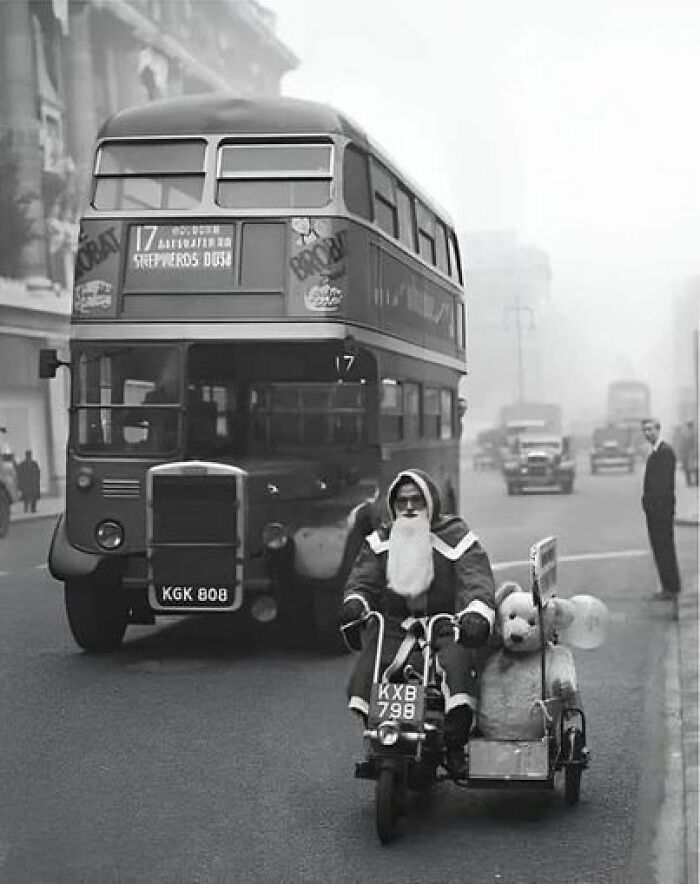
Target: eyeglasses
{"x": 416, "y": 500}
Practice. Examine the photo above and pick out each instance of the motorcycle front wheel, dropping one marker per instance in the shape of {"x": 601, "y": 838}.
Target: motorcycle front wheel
{"x": 387, "y": 804}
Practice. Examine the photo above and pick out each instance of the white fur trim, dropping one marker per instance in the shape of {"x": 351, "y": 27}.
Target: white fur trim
{"x": 357, "y": 704}
{"x": 453, "y": 553}
{"x": 420, "y": 482}
{"x": 454, "y": 701}
{"x": 360, "y": 598}
{"x": 478, "y": 607}
{"x": 376, "y": 544}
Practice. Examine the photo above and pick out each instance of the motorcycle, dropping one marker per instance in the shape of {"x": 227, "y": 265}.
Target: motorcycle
{"x": 405, "y": 734}
{"x": 404, "y": 740}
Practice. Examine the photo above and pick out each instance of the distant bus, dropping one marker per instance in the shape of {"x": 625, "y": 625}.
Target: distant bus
{"x": 268, "y": 323}
{"x": 629, "y": 402}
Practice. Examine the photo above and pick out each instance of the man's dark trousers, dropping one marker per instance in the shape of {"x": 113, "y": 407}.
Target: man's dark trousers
{"x": 658, "y": 502}
{"x": 660, "y": 528}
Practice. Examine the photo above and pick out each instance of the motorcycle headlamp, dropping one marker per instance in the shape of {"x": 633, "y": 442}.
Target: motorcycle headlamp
{"x": 388, "y": 733}
{"x": 109, "y": 534}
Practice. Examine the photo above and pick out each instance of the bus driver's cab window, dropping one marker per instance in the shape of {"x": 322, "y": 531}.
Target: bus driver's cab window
{"x": 128, "y": 400}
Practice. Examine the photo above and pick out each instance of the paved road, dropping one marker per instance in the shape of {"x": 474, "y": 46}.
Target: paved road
{"x": 205, "y": 753}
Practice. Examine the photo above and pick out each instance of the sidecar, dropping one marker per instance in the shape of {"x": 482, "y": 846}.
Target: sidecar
{"x": 533, "y": 763}
{"x": 562, "y": 747}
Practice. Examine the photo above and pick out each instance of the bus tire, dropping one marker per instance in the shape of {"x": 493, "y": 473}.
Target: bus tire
{"x": 97, "y": 615}
{"x": 4, "y": 514}
{"x": 326, "y": 622}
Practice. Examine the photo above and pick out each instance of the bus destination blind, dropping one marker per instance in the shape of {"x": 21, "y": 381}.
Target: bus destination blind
{"x": 179, "y": 258}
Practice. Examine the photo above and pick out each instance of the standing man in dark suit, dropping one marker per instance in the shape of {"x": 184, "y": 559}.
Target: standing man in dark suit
{"x": 658, "y": 503}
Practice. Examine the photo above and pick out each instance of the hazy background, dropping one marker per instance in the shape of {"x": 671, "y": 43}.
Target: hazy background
{"x": 576, "y": 126}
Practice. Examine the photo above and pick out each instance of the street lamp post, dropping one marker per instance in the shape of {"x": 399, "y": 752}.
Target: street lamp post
{"x": 518, "y": 308}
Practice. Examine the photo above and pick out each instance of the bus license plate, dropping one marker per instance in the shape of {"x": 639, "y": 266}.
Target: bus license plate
{"x": 400, "y": 702}
{"x": 193, "y": 596}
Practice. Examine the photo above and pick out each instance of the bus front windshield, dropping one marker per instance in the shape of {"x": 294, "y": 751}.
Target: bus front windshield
{"x": 220, "y": 400}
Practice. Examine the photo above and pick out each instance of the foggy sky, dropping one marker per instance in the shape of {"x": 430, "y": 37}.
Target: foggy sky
{"x": 573, "y": 125}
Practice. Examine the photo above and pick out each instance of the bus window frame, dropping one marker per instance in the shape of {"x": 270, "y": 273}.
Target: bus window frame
{"x": 148, "y": 172}
{"x": 292, "y": 177}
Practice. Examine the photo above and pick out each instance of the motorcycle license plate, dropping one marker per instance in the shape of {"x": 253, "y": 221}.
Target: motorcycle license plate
{"x": 398, "y": 702}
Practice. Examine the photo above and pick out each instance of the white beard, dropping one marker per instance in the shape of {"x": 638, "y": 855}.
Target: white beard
{"x": 409, "y": 568}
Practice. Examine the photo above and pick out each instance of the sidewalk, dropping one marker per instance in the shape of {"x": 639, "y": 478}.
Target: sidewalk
{"x": 687, "y": 520}
{"x": 45, "y": 508}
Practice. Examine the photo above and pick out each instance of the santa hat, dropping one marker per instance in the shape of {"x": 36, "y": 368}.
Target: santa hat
{"x": 428, "y": 489}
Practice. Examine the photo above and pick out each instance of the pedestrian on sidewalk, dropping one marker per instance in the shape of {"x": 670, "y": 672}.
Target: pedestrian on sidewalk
{"x": 28, "y": 481}
{"x": 659, "y": 503}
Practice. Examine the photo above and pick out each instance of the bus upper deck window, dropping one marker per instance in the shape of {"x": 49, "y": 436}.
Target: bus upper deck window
{"x": 148, "y": 175}
{"x": 407, "y": 223}
{"x": 356, "y": 192}
{"x": 441, "y": 247}
{"x": 453, "y": 250}
{"x": 274, "y": 175}
{"x": 426, "y": 233}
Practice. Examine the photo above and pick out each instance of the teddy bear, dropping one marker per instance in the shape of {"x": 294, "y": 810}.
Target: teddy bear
{"x": 511, "y": 681}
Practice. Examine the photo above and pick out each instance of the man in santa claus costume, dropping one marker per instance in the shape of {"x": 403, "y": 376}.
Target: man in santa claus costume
{"x": 420, "y": 564}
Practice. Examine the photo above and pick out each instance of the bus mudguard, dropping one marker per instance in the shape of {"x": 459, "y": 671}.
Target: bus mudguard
{"x": 68, "y": 563}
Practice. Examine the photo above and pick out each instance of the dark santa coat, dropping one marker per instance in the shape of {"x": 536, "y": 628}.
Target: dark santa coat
{"x": 462, "y": 581}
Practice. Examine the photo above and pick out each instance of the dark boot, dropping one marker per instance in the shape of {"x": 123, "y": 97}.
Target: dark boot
{"x": 457, "y": 726}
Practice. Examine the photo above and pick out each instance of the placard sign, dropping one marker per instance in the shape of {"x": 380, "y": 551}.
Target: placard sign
{"x": 543, "y": 564}
{"x": 179, "y": 258}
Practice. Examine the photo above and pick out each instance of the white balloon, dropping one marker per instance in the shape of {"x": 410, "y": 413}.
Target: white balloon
{"x": 590, "y": 625}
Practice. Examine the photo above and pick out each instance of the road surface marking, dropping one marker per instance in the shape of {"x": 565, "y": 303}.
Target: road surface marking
{"x": 579, "y": 557}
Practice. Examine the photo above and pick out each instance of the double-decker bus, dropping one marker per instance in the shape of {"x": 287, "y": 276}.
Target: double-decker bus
{"x": 629, "y": 402}
{"x": 268, "y": 323}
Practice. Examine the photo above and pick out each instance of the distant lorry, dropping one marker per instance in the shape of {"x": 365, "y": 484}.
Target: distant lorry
{"x": 546, "y": 416}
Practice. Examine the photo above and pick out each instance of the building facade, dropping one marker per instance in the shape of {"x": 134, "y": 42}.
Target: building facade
{"x": 686, "y": 323}
{"x": 508, "y": 290}
{"x": 65, "y": 66}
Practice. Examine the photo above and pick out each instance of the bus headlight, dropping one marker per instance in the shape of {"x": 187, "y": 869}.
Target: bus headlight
{"x": 388, "y": 733}
{"x": 84, "y": 479}
{"x": 109, "y": 534}
{"x": 275, "y": 536}
{"x": 264, "y": 609}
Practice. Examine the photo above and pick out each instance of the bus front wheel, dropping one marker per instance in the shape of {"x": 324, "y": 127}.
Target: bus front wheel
{"x": 97, "y": 615}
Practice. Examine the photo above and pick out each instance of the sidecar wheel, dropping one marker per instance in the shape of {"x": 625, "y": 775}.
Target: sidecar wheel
{"x": 572, "y": 784}
{"x": 573, "y": 751}
{"x": 387, "y": 801}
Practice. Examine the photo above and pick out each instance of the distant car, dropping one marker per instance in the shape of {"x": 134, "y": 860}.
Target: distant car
{"x": 487, "y": 454}
{"x": 612, "y": 454}
{"x": 540, "y": 460}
